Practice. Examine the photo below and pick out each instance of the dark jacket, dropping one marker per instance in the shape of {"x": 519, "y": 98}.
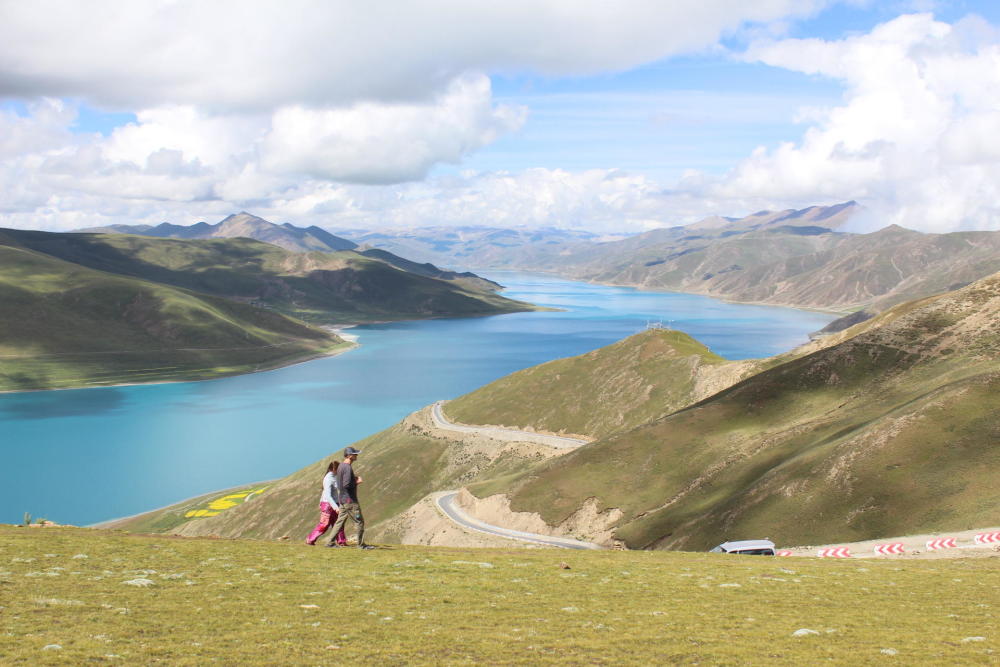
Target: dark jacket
{"x": 347, "y": 481}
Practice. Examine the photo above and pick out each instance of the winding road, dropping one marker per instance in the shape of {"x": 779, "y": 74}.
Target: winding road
{"x": 445, "y": 502}
{"x": 497, "y": 433}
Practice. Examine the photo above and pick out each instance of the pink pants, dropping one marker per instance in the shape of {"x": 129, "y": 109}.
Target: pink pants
{"x": 327, "y": 515}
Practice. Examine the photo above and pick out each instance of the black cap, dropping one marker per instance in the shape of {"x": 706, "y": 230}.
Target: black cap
{"x": 350, "y": 451}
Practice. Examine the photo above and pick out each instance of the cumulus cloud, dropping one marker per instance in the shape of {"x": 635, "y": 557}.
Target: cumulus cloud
{"x": 917, "y": 138}
{"x": 288, "y": 107}
{"x": 373, "y": 143}
{"x": 228, "y": 54}
{"x": 334, "y": 114}
{"x": 182, "y": 153}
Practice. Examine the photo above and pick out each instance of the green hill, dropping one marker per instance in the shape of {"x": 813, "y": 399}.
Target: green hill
{"x": 65, "y": 325}
{"x": 323, "y": 287}
{"x": 620, "y": 386}
{"x": 893, "y": 430}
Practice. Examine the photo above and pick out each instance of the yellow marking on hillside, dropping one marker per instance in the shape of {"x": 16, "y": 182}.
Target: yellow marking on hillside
{"x": 216, "y": 505}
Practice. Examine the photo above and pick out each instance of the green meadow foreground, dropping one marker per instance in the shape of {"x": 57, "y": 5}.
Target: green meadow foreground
{"x": 75, "y": 596}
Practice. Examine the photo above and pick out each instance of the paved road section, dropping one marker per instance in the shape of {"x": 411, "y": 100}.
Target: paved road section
{"x": 497, "y": 433}
{"x": 446, "y": 503}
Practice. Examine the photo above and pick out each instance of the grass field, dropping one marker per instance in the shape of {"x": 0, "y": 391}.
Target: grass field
{"x": 75, "y": 596}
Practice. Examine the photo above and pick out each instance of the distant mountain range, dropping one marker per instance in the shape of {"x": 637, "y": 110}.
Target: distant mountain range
{"x": 475, "y": 247}
{"x": 240, "y": 225}
{"x": 292, "y": 238}
{"x": 800, "y": 258}
{"x": 499, "y": 248}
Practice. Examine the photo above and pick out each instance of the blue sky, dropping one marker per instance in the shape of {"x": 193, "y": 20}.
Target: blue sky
{"x": 613, "y": 118}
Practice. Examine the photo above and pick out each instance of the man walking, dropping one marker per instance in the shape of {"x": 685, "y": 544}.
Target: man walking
{"x": 348, "y": 482}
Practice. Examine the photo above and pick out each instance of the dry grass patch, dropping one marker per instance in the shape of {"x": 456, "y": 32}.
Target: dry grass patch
{"x": 139, "y": 600}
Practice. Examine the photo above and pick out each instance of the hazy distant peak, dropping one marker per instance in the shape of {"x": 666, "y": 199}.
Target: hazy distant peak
{"x": 711, "y": 222}
{"x": 833, "y": 217}
{"x": 246, "y": 225}
{"x": 896, "y": 230}
{"x": 243, "y": 219}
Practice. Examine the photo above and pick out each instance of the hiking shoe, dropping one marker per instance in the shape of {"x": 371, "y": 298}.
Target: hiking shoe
{"x": 365, "y": 546}
{"x": 333, "y": 545}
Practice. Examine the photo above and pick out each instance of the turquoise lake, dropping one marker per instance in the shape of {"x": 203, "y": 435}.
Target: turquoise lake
{"x": 88, "y": 455}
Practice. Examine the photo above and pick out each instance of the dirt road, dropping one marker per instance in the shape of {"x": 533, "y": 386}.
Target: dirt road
{"x": 498, "y": 433}
{"x": 446, "y": 503}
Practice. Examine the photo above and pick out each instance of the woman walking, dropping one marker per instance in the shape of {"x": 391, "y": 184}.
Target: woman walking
{"x": 328, "y": 507}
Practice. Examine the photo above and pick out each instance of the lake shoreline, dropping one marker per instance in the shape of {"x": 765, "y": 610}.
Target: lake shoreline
{"x": 351, "y": 339}
{"x": 177, "y": 440}
{"x": 664, "y": 290}
{"x": 338, "y": 349}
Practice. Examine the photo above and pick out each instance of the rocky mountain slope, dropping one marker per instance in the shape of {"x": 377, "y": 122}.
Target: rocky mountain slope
{"x": 801, "y": 258}
{"x": 844, "y": 272}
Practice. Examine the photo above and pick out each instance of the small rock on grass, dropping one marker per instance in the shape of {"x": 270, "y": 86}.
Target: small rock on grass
{"x": 974, "y": 639}
{"x": 139, "y": 582}
{"x": 804, "y": 632}
{"x": 563, "y": 566}
{"x": 52, "y": 647}
{"x": 889, "y": 651}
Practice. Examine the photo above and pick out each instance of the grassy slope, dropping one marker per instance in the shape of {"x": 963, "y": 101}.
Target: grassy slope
{"x": 617, "y": 387}
{"x": 891, "y": 431}
{"x": 65, "y": 325}
{"x": 403, "y": 464}
{"x": 255, "y": 603}
{"x": 400, "y": 465}
{"x": 317, "y": 286}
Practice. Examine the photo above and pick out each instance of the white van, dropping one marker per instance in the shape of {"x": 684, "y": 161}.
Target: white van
{"x": 746, "y": 547}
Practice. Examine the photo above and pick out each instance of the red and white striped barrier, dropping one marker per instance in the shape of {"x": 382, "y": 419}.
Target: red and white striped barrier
{"x": 834, "y": 552}
{"x": 783, "y": 552}
{"x": 987, "y": 538}
{"x": 942, "y": 543}
{"x": 889, "y": 549}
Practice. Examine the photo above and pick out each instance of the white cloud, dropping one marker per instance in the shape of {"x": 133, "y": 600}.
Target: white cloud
{"x": 326, "y": 113}
{"x": 374, "y": 143}
{"x": 277, "y": 106}
{"x": 181, "y": 153}
{"x": 45, "y": 127}
{"x": 916, "y": 138}
{"x": 228, "y": 54}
